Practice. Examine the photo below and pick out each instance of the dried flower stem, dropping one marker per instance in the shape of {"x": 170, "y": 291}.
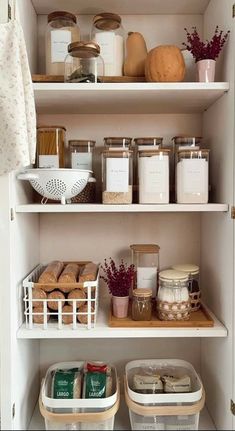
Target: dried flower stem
{"x": 118, "y": 278}
{"x": 205, "y": 51}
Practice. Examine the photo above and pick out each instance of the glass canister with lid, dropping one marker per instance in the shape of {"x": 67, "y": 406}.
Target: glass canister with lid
{"x": 192, "y": 176}
{"x": 117, "y": 177}
{"x": 148, "y": 143}
{"x": 81, "y": 154}
{"x": 117, "y": 143}
{"x": 108, "y": 32}
{"x": 142, "y": 304}
{"x": 173, "y": 300}
{"x": 194, "y": 283}
{"x": 83, "y": 63}
{"x": 62, "y": 29}
{"x": 51, "y": 147}
{"x": 145, "y": 257}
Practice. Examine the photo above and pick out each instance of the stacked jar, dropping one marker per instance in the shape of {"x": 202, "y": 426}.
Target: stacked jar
{"x": 51, "y": 147}
{"x": 145, "y": 258}
{"x": 81, "y": 157}
{"x": 194, "y": 283}
{"x": 117, "y": 176}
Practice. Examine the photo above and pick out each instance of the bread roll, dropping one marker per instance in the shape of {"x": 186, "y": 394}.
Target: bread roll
{"x": 88, "y": 273}
{"x": 84, "y": 317}
{"x": 77, "y": 294}
{"x": 56, "y": 294}
{"x": 38, "y": 294}
{"x": 51, "y": 274}
{"x": 67, "y": 319}
{"x": 69, "y": 274}
{"x": 39, "y": 318}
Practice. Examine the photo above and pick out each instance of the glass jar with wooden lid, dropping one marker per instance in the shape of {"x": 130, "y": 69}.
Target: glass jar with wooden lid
{"x": 193, "y": 283}
{"x": 148, "y": 143}
{"x": 117, "y": 177}
{"x": 117, "y": 143}
{"x": 145, "y": 257}
{"x": 142, "y": 304}
{"x": 51, "y": 147}
{"x": 81, "y": 154}
{"x": 62, "y": 29}
{"x": 83, "y": 63}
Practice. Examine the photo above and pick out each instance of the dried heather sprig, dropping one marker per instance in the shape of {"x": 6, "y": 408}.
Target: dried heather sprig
{"x": 118, "y": 278}
{"x": 205, "y": 51}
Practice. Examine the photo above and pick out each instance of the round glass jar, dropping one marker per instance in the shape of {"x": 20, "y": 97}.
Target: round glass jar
{"x": 61, "y": 30}
{"x": 51, "y": 147}
{"x": 194, "y": 283}
{"x": 142, "y": 304}
{"x": 83, "y": 63}
{"x": 173, "y": 300}
{"x": 192, "y": 176}
{"x": 117, "y": 177}
{"x": 153, "y": 174}
{"x": 118, "y": 143}
{"x": 81, "y": 154}
{"x": 108, "y": 32}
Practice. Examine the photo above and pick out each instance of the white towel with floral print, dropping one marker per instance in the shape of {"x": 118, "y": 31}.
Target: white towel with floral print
{"x": 17, "y": 107}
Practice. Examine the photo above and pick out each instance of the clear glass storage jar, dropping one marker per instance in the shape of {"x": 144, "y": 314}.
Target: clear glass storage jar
{"x": 81, "y": 154}
{"x": 142, "y": 304}
{"x": 108, "y": 32}
{"x": 117, "y": 143}
{"x": 192, "y": 176}
{"x": 145, "y": 257}
{"x": 153, "y": 174}
{"x": 51, "y": 147}
{"x": 194, "y": 283}
{"x": 61, "y": 30}
{"x": 173, "y": 300}
{"x": 117, "y": 177}
{"x": 84, "y": 63}
{"x": 148, "y": 143}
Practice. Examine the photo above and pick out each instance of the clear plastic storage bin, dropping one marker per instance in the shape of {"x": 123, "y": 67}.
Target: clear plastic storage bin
{"x": 164, "y": 411}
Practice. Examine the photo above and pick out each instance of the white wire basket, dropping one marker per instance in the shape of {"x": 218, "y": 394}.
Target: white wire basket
{"x": 50, "y": 317}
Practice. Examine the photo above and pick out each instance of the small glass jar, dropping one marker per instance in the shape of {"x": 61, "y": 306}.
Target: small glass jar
{"x": 194, "y": 283}
{"x": 81, "y": 154}
{"x": 117, "y": 177}
{"x": 142, "y": 304}
{"x": 62, "y": 30}
{"x": 145, "y": 257}
{"x": 117, "y": 143}
{"x": 192, "y": 176}
{"x": 148, "y": 143}
{"x": 153, "y": 173}
{"x": 173, "y": 300}
{"x": 51, "y": 147}
{"x": 108, "y": 32}
{"x": 83, "y": 63}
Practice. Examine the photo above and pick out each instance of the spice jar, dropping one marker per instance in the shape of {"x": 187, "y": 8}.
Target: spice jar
{"x": 107, "y": 31}
{"x": 153, "y": 173}
{"x": 142, "y": 304}
{"x": 84, "y": 63}
{"x": 62, "y": 30}
{"x": 117, "y": 177}
{"x": 192, "y": 176}
{"x": 145, "y": 257}
{"x": 148, "y": 143}
{"x": 173, "y": 301}
{"x": 117, "y": 143}
{"x": 194, "y": 283}
{"x": 81, "y": 154}
{"x": 51, "y": 147}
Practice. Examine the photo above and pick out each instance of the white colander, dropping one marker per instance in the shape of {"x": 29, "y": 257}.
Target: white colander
{"x": 56, "y": 184}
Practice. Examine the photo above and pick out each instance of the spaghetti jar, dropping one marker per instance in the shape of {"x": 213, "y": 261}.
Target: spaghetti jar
{"x": 118, "y": 143}
{"x": 81, "y": 154}
{"x": 108, "y": 32}
{"x": 62, "y": 30}
{"x": 194, "y": 283}
{"x": 51, "y": 147}
{"x": 83, "y": 63}
{"x": 142, "y": 304}
{"x": 145, "y": 257}
{"x": 117, "y": 177}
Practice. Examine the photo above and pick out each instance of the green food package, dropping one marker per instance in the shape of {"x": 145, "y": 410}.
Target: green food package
{"x": 66, "y": 384}
{"x": 96, "y": 380}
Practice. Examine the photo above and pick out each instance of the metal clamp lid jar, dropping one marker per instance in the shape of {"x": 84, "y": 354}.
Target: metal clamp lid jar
{"x": 84, "y": 63}
{"x": 194, "y": 283}
{"x": 142, "y": 304}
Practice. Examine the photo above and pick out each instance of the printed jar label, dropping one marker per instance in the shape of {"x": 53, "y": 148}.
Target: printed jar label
{"x": 155, "y": 174}
{"x": 49, "y": 162}
{"x": 117, "y": 175}
{"x": 82, "y": 161}
{"x": 195, "y": 176}
{"x": 106, "y": 41}
{"x": 147, "y": 278}
{"x": 60, "y": 39}
{"x": 64, "y": 384}
{"x": 145, "y": 426}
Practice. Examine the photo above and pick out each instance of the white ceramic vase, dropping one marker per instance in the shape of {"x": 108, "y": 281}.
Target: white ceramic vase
{"x": 206, "y": 70}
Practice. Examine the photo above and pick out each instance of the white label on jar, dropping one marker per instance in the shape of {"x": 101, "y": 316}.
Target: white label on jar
{"x": 145, "y": 426}
{"x": 117, "y": 175}
{"x": 82, "y": 161}
{"x": 49, "y": 162}
{"x": 60, "y": 39}
{"x": 195, "y": 175}
{"x": 147, "y": 278}
{"x": 155, "y": 174}
{"x": 106, "y": 41}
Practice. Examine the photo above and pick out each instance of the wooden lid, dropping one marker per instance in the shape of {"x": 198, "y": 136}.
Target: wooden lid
{"x": 142, "y": 292}
{"x": 48, "y": 128}
{"x": 62, "y": 15}
{"x": 119, "y": 152}
{"x": 172, "y": 275}
{"x": 191, "y": 151}
{"x": 145, "y": 248}
{"x": 151, "y": 140}
{"x": 188, "y": 268}
{"x": 153, "y": 152}
{"x": 117, "y": 140}
{"x": 185, "y": 139}
{"x": 84, "y": 49}
{"x": 81, "y": 142}
{"x": 107, "y": 21}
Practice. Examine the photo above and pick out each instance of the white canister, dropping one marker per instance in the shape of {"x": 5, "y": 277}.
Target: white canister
{"x": 191, "y": 69}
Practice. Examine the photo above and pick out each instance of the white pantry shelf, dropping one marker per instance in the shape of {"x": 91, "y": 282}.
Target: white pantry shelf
{"x": 127, "y": 98}
{"x": 134, "y": 208}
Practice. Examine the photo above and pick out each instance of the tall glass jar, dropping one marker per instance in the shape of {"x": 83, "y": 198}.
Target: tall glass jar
{"x": 142, "y": 304}
{"x": 51, "y": 147}
{"x": 173, "y": 301}
{"x": 81, "y": 154}
{"x": 108, "y": 32}
{"x": 145, "y": 257}
{"x": 117, "y": 177}
{"x": 194, "y": 283}
{"x": 118, "y": 143}
{"x": 84, "y": 63}
{"x": 153, "y": 173}
{"x": 192, "y": 176}
{"x": 62, "y": 30}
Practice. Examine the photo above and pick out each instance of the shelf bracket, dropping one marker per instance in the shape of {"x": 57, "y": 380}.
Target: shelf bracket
{"x": 232, "y": 407}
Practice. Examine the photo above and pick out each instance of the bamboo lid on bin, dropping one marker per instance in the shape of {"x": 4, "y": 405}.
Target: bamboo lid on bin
{"x": 145, "y": 248}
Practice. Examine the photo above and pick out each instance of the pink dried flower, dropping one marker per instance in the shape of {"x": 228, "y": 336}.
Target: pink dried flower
{"x": 118, "y": 278}
{"x": 205, "y": 51}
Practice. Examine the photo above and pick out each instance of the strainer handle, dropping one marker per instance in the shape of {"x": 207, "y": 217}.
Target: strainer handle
{"x": 27, "y": 176}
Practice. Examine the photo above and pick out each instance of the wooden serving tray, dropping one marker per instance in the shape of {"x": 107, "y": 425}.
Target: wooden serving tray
{"x": 106, "y": 79}
{"x": 198, "y": 319}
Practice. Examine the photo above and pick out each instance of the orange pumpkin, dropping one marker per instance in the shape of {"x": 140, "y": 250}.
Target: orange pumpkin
{"x": 165, "y": 64}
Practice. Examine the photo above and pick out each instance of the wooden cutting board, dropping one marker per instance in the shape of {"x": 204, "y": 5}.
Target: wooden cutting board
{"x": 198, "y": 319}
{"x": 106, "y": 79}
